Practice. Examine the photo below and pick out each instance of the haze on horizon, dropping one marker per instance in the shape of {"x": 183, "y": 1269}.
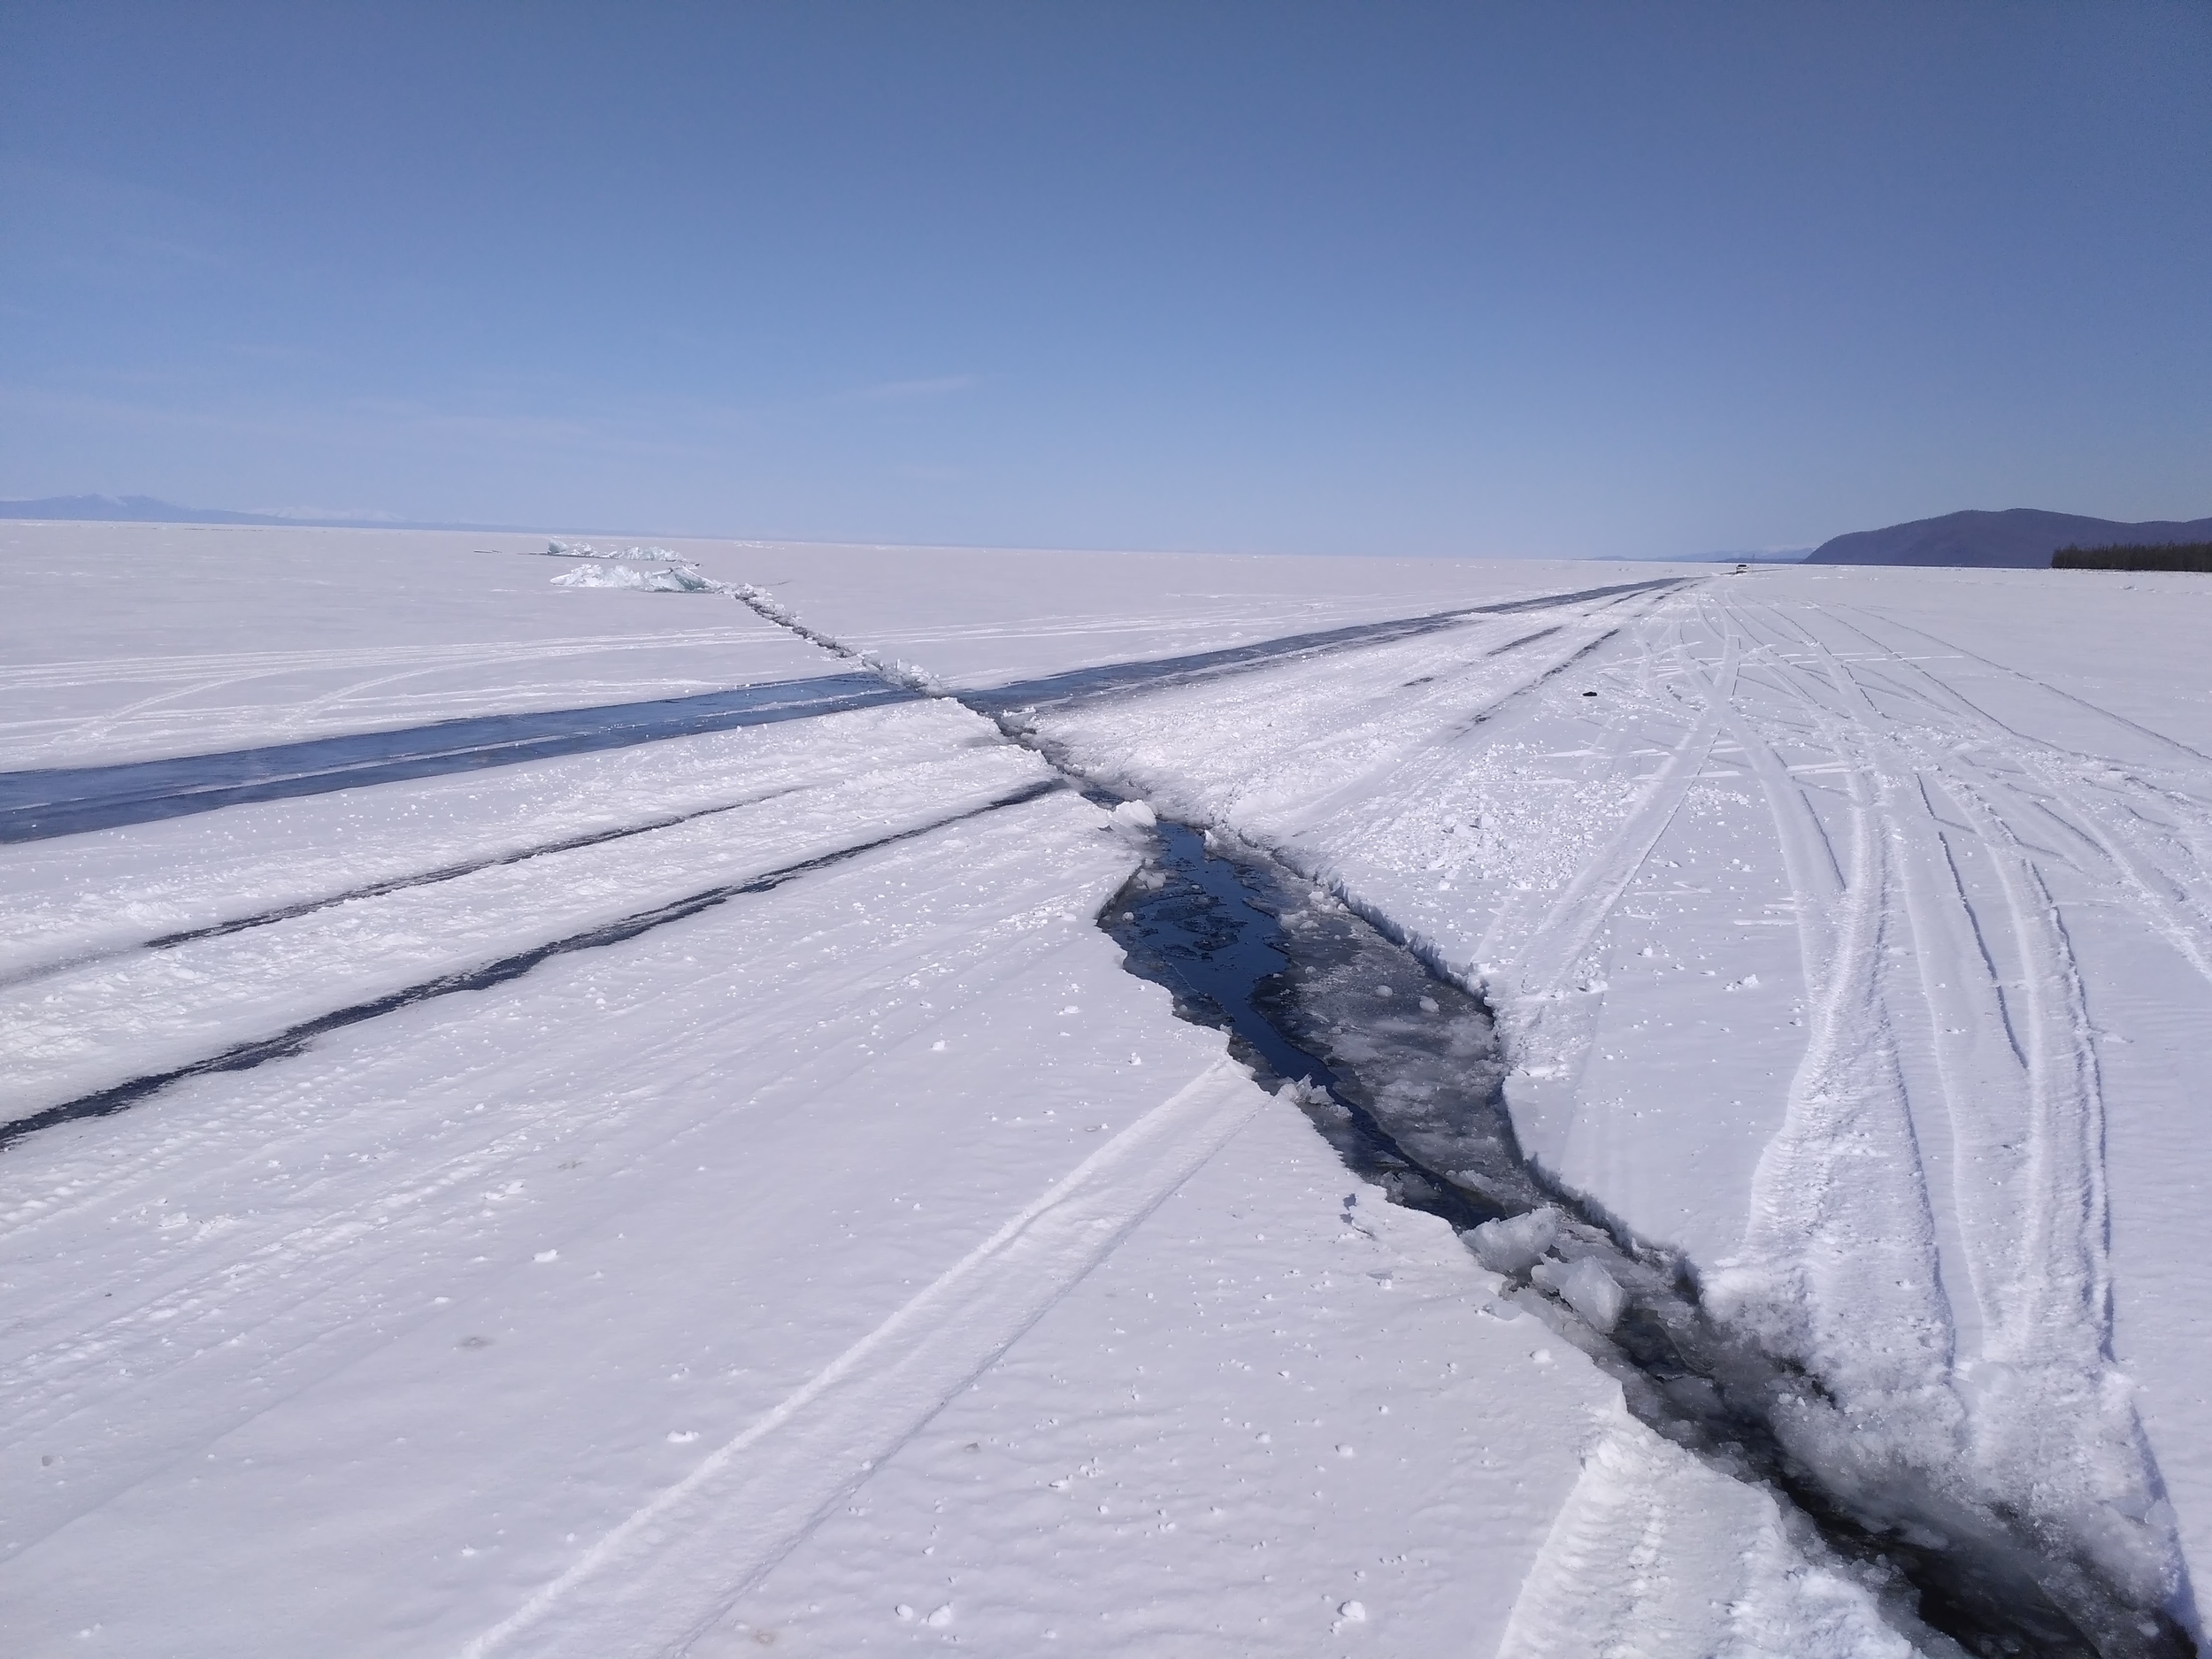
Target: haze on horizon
{"x": 1581, "y": 280}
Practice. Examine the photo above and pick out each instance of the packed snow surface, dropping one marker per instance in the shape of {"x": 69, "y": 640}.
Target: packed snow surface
{"x": 132, "y": 641}
{"x": 746, "y": 1202}
{"x": 1849, "y": 931}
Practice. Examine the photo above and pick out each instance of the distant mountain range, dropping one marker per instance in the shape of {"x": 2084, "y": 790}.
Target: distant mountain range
{"x": 147, "y": 510}
{"x": 2020, "y": 538}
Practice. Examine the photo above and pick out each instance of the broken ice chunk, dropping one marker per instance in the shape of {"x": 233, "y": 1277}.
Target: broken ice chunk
{"x": 674, "y": 579}
{"x": 1587, "y": 1289}
{"x": 1136, "y": 815}
{"x": 1514, "y": 1244}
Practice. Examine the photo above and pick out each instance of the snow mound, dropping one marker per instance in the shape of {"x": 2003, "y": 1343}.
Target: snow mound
{"x": 674, "y": 579}
{"x": 559, "y": 549}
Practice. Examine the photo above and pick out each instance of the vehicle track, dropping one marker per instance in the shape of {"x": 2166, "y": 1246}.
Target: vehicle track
{"x": 257, "y": 1300}
{"x": 2012, "y": 1053}
{"x": 755, "y": 1498}
{"x": 1842, "y": 1243}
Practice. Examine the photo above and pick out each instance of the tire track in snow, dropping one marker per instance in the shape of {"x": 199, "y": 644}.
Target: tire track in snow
{"x": 2006, "y": 669}
{"x": 1629, "y": 1566}
{"x": 1506, "y": 924}
{"x": 2035, "y": 1211}
{"x": 1438, "y": 766}
{"x": 2052, "y": 1422}
{"x": 1546, "y": 1022}
{"x": 258, "y": 1301}
{"x": 663, "y": 1577}
{"x": 1838, "y": 924}
{"x": 1841, "y": 1241}
{"x": 1563, "y": 936}
{"x": 1893, "y": 816}
{"x": 1877, "y": 1287}
{"x": 1845, "y": 927}
{"x": 1809, "y": 858}
{"x": 2062, "y": 1304}
{"x": 2116, "y": 815}
{"x": 2030, "y": 1400}
{"x": 1374, "y": 715}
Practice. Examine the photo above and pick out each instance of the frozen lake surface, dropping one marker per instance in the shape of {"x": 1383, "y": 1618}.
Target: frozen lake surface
{"x": 718, "y": 1188}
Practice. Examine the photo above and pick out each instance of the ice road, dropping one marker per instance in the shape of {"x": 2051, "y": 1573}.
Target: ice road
{"x": 546, "y": 1118}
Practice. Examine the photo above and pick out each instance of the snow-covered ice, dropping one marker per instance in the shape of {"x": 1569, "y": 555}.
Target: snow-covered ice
{"x": 1846, "y": 926}
{"x": 126, "y": 641}
{"x": 754, "y": 1206}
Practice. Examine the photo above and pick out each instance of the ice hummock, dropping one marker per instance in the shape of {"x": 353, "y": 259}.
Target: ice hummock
{"x": 675, "y": 579}
{"x": 560, "y": 550}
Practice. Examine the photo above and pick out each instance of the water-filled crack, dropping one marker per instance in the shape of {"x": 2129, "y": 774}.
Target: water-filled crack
{"x": 1400, "y": 1070}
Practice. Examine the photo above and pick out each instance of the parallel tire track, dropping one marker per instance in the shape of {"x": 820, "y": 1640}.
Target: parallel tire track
{"x": 673, "y": 1569}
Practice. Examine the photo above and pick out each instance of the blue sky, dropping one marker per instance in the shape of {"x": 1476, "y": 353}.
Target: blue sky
{"x": 1544, "y": 279}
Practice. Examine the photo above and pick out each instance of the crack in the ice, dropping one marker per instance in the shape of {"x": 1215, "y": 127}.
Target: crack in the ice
{"x": 1942, "y": 1566}
{"x": 1109, "y": 679}
{"x": 1412, "y": 1102}
{"x": 294, "y": 1040}
{"x": 378, "y": 889}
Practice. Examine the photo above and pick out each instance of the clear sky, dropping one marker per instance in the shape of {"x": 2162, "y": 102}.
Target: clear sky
{"x": 1519, "y": 279}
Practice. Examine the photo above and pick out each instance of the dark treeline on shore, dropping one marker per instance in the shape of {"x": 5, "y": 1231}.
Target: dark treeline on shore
{"x": 2173, "y": 556}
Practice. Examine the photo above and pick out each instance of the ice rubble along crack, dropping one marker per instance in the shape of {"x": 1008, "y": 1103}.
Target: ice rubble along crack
{"x": 1404, "y": 1085}
{"x": 1425, "y": 1119}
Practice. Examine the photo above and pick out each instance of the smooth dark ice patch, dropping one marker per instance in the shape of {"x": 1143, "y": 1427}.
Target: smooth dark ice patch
{"x": 1115, "y": 679}
{"x": 35, "y": 805}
